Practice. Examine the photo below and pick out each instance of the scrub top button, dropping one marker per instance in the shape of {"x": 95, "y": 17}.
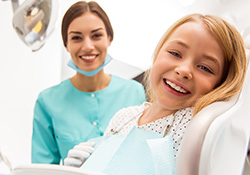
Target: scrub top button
{"x": 93, "y": 95}
{"x": 94, "y": 123}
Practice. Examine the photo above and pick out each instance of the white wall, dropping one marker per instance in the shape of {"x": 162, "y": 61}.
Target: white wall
{"x": 23, "y": 75}
{"x": 138, "y": 26}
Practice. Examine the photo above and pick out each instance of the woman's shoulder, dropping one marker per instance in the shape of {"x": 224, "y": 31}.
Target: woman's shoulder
{"x": 54, "y": 90}
{"x": 125, "y": 83}
{"x": 123, "y": 80}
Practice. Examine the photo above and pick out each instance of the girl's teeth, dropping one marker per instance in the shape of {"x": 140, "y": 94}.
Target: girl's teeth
{"x": 177, "y": 88}
{"x": 88, "y": 57}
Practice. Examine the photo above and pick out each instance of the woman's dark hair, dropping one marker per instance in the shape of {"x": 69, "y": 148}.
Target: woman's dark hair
{"x": 79, "y": 9}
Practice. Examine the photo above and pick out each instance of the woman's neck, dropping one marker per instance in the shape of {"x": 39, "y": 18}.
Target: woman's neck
{"x": 153, "y": 113}
{"x": 91, "y": 84}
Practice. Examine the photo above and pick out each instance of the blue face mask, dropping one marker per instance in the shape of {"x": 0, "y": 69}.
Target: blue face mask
{"x": 93, "y": 72}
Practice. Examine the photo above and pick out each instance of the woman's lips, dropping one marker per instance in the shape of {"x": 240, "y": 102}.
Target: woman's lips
{"x": 88, "y": 58}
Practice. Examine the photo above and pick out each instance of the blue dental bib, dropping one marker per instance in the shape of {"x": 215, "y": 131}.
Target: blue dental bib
{"x": 140, "y": 152}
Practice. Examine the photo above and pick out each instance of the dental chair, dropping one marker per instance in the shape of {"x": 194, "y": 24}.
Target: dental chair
{"x": 217, "y": 140}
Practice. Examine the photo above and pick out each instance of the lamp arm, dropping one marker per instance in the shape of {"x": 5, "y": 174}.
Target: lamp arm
{"x": 15, "y": 4}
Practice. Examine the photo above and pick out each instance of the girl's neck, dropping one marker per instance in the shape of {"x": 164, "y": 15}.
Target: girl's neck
{"x": 91, "y": 84}
{"x": 153, "y": 113}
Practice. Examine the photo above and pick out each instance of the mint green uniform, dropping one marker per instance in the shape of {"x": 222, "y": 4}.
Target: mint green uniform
{"x": 65, "y": 116}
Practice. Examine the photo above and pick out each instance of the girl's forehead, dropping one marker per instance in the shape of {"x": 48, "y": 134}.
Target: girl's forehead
{"x": 195, "y": 26}
{"x": 190, "y": 31}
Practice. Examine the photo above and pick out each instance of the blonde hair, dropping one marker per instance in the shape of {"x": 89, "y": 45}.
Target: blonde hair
{"x": 234, "y": 52}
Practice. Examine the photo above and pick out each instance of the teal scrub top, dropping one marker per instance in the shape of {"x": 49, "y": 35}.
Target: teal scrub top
{"x": 65, "y": 116}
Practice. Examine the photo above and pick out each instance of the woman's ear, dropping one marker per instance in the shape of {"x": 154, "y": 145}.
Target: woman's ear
{"x": 66, "y": 47}
{"x": 109, "y": 41}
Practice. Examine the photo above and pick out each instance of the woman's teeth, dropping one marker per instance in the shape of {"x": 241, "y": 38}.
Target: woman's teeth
{"x": 175, "y": 87}
{"x": 87, "y": 57}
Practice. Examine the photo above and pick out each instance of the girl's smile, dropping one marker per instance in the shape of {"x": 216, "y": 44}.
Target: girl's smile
{"x": 189, "y": 65}
{"x": 174, "y": 88}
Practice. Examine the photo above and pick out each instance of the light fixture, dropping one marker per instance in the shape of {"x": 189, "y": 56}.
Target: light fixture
{"x": 34, "y": 21}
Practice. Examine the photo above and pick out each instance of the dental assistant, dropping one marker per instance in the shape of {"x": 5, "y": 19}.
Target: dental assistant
{"x": 81, "y": 107}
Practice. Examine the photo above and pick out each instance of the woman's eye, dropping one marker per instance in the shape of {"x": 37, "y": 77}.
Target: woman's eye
{"x": 97, "y": 35}
{"x": 76, "y": 38}
{"x": 205, "y": 69}
{"x": 175, "y": 54}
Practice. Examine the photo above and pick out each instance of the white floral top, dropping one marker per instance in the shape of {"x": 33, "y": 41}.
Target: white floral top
{"x": 125, "y": 119}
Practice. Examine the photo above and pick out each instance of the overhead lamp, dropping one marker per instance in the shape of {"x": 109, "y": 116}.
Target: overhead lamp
{"x": 34, "y": 21}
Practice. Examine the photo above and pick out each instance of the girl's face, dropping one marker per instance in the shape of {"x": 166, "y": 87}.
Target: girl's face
{"x": 189, "y": 65}
{"x": 87, "y": 41}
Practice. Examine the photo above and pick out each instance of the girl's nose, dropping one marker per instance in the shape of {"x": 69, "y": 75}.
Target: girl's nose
{"x": 184, "y": 70}
{"x": 87, "y": 45}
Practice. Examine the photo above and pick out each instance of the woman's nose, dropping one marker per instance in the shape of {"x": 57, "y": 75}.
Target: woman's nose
{"x": 87, "y": 45}
{"x": 184, "y": 70}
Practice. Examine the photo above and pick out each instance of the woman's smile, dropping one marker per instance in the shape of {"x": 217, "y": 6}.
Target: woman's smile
{"x": 88, "y": 58}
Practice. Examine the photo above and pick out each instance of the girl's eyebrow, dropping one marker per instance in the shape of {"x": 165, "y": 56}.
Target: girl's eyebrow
{"x": 211, "y": 58}
{"x": 179, "y": 42}
{"x": 182, "y": 43}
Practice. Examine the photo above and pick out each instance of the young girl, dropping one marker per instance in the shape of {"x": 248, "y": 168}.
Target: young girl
{"x": 81, "y": 107}
{"x": 199, "y": 60}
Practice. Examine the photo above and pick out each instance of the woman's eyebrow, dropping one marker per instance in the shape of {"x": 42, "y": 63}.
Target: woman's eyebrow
{"x": 95, "y": 30}
{"x": 79, "y": 33}
{"x": 74, "y": 32}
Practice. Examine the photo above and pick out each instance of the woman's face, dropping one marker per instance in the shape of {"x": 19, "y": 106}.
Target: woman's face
{"x": 189, "y": 65}
{"x": 87, "y": 41}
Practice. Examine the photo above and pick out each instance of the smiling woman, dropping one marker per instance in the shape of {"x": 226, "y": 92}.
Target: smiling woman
{"x": 88, "y": 41}
{"x": 79, "y": 108}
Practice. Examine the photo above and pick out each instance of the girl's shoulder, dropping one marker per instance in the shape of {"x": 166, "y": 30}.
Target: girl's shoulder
{"x": 132, "y": 111}
{"x": 126, "y": 115}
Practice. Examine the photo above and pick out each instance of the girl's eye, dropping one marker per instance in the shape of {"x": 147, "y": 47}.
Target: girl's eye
{"x": 175, "y": 54}
{"x": 205, "y": 69}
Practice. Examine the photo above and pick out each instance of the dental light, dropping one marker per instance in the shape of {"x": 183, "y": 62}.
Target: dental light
{"x": 34, "y": 21}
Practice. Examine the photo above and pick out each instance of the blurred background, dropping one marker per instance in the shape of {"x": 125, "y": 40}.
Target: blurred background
{"x": 138, "y": 26}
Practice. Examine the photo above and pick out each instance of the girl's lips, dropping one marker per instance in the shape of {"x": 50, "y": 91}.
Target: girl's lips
{"x": 176, "y": 87}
